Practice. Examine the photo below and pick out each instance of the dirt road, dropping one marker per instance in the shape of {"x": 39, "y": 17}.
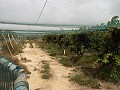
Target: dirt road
{"x": 59, "y": 79}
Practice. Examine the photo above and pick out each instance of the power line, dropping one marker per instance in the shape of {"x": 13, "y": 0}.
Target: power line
{"x": 41, "y": 12}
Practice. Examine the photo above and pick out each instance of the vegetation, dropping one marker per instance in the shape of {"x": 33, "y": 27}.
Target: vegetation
{"x": 86, "y": 81}
{"x": 15, "y": 49}
{"x": 10, "y": 45}
{"x": 96, "y": 53}
{"x": 46, "y": 70}
{"x": 98, "y": 50}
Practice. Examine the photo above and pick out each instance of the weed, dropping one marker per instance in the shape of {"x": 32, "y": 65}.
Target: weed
{"x": 53, "y": 49}
{"x": 46, "y": 66}
{"x": 16, "y": 50}
{"x": 66, "y": 62}
{"x": 46, "y": 76}
{"x": 87, "y": 59}
{"x": 46, "y": 70}
{"x": 86, "y": 81}
{"x": 109, "y": 73}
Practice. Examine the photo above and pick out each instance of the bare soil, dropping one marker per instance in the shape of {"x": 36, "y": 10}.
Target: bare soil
{"x": 59, "y": 79}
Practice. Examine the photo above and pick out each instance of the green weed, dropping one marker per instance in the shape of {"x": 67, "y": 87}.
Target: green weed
{"x": 86, "y": 81}
{"x": 46, "y": 70}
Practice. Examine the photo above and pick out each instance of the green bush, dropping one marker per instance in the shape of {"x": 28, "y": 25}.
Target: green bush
{"x": 105, "y": 46}
{"x": 66, "y": 62}
{"x": 109, "y": 73}
{"x": 86, "y": 81}
{"x": 87, "y": 59}
{"x": 46, "y": 70}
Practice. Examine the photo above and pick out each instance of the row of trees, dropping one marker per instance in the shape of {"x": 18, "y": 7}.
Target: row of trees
{"x": 106, "y": 44}
{"x": 113, "y": 23}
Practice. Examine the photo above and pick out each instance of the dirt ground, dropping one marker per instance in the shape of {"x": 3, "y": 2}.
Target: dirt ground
{"x": 59, "y": 80}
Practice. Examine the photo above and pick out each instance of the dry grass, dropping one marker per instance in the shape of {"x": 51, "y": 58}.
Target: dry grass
{"x": 17, "y": 49}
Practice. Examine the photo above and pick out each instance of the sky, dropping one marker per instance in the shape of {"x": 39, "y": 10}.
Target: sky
{"x": 77, "y": 12}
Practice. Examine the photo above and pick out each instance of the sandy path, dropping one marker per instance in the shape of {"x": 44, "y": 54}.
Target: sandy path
{"x": 59, "y": 80}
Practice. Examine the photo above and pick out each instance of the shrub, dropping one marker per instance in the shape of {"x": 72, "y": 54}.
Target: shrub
{"x": 66, "y": 62}
{"x": 46, "y": 71}
{"x": 87, "y": 59}
{"x": 109, "y": 73}
{"x": 86, "y": 81}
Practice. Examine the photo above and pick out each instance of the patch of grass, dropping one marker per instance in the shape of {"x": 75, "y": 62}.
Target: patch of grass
{"x": 66, "y": 62}
{"x": 46, "y": 66}
{"x": 15, "y": 50}
{"x": 53, "y": 49}
{"x": 87, "y": 59}
{"x": 109, "y": 73}
{"x": 86, "y": 81}
{"x": 46, "y": 70}
{"x": 46, "y": 76}
{"x": 54, "y": 52}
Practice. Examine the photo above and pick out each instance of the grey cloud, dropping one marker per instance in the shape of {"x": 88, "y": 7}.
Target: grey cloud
{"x": 82, "y": 12}
{"x": 115, "y": 7}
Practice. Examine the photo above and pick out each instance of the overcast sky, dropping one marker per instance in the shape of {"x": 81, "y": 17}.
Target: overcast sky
{"x": 80, "y": 12}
